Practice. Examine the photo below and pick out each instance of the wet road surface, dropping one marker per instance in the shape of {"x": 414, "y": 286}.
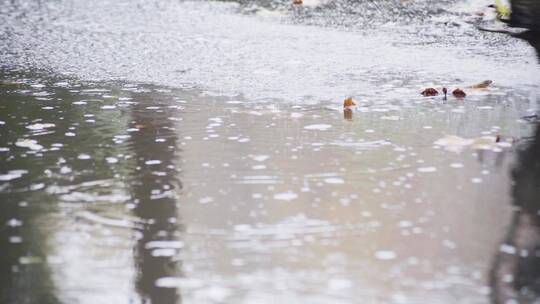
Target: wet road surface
{"x": 198, "y": 152}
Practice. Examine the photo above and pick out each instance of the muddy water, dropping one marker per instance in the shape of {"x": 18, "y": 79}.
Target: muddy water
{"x": 236, "y": 176}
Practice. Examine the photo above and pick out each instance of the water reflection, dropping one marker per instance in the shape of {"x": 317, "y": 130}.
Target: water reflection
{"x": 25, "y": 275}
{"x": 533, "y": 38}
{"x": 516, "y": 270}
{"x": 348, "y": 114}
{"x": 515, "y": 276}
{"x": 154, "y": 189}
{"x": 65, "y": 208}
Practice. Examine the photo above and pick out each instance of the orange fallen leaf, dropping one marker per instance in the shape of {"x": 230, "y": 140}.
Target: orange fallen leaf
{"x": 458, "y": 93}
{"x": 297, "y": 2}
{"x": 430, "y": 92}
{"x": 348, "y": 102}
{"x": 482, "y": 85}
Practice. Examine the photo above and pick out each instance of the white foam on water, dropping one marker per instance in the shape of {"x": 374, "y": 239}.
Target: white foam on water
{"x": 206, "y": 200}
{"x": 385, "y": 255}
{"x": 84, "y": 156}
{"x": 286, "y": 196}
{"x": 40, "y": 126}
{"x": 427, "y": 169}
{"x": 29, "y": 143}
{"x": 111, "y": 160}
{"x": 318, "y": 127}
{"x": 334, "y": 180}
{"x": 13, "y": 174}
{"x": 152, "y": 162}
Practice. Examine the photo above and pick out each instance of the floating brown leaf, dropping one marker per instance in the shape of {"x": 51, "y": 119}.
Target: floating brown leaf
{"x": 458, "y": 93}
{"x": 482, "y": 85}
{"x": 430, "y": 92}
{"x": 297, "y": 2}
{"x": 348, "y": 102}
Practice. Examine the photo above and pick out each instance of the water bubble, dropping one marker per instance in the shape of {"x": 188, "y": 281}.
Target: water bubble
{"x": 286, "y": 196}
{"x": 318, "y": 127}
{"x": 427, "y": 169}
{"x": 385, "y": 255}
{"x": 84, "y": 156}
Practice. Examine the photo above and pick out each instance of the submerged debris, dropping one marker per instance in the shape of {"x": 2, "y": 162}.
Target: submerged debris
{"x": 455, "y": 143}
{"x": 482, "y": 85}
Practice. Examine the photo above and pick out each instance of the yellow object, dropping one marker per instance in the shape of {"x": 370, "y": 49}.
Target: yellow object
{"x": 503, "y": 9}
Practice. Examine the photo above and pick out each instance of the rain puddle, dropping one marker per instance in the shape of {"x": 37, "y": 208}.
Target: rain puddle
{"x": 220, "y": 167}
